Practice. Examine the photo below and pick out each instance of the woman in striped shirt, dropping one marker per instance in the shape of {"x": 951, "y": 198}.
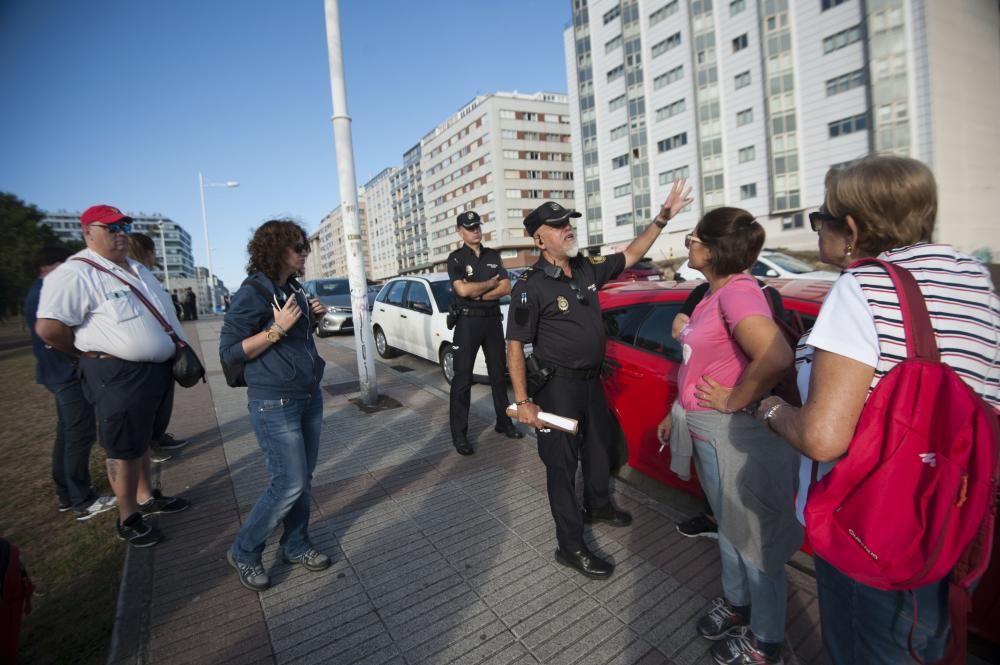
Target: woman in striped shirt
{"x": 885, "y": 207}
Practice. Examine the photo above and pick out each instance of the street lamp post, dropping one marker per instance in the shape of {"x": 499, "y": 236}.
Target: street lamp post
{"x": 204, "y": 223}
{"x": 163, "y": 250}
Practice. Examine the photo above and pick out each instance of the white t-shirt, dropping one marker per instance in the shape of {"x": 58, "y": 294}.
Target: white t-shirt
{"x": 845, "y": 326}
{"x": 104, "y": 313}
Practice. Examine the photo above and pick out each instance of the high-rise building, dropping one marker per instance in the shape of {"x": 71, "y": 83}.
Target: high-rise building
{"x": 332, "y": 241}
{"x": 382, "y": 226}
{"x": 408, "y": 210}
{"x": 755, "y": 100}
{"x": 173, "y": 248}
{"x": 501, "y": 155}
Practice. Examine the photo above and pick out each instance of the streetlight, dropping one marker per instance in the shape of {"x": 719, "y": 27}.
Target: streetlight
{"x": 204, "y": 223}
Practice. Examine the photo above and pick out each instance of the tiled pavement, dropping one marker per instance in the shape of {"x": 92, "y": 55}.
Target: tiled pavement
{"x": 437, "y": 558}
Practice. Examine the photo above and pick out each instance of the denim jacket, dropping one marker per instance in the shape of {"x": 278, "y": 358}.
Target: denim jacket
{"x": 291, "y": 368}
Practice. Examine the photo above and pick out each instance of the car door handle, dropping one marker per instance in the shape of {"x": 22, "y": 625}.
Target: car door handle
{"x": 402, "y": 316}
{"x": 381, "y": 309}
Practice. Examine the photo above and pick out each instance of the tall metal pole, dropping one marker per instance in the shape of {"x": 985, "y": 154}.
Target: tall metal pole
{"x": 208, "y": 248}
{"x": 349, "y": 202}
{"x": 163, "y": 250}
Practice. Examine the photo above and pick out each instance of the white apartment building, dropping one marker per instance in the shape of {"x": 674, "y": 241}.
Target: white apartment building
{"x": 408, "y": 209}
{"x": 755, "y": 100}
{"x": 501, "y": 155}
{"x": 332, "y": 243}
{"x": 382, "y": 226}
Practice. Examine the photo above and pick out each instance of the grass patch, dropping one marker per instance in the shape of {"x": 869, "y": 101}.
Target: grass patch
{"x": 76, "y": 566}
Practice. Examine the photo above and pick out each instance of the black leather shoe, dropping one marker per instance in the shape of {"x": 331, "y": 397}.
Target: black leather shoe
{"x": 586, "y": 563}
{"x": 609, "y": 515}
{"x": 509, "y": 432}
{"x": 464, "y": 448}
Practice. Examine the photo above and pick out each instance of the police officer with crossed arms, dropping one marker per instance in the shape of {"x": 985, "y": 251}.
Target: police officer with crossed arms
{"x": 555, "y": 308}
{"x": 479, "y": 280}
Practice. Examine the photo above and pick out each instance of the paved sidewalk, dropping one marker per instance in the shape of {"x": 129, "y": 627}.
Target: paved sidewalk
{"x": 438, "y": 558}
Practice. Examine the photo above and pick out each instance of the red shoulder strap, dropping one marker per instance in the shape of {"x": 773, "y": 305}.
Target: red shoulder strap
{"x": 138, "y": 294}
{"x": 920, "y": 341}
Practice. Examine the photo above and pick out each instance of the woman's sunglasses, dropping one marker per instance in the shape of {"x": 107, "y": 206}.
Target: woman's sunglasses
{"x": 690, "y": 239}
{"x": 302, "y": 248}
{"x": 820, "y": 217}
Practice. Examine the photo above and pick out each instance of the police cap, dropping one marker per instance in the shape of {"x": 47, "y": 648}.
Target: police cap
{"x": 550, "y": 213}
{"x": 468, "y": 220}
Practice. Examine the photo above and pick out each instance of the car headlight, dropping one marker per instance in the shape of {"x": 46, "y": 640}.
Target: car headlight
{"x": 336, "y": 309}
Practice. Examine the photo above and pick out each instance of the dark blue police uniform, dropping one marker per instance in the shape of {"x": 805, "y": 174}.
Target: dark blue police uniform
{"x": 479, "y": 324}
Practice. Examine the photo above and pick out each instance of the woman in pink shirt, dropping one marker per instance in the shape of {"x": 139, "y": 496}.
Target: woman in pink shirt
{"x": 733, "y": 355}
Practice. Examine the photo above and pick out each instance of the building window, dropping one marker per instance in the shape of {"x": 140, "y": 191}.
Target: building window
{"x": 747, "y": 154}
{"x": 623, "y": 219}
{"x": 620, "y": 161}
{"x": 850, "y": 125}
{"x": 619, "y": 132}
{"x": 670, "y": 110}
{"x": 740, "y": 43}
{"x": 841, "y": 39}
{"x": 612, "y": 14}
{"x": 616, "y": 103}
{"x": 670, "y": 42}
{"x": 612, "y": 44}
{"x": 742, "y": 79}
{"x": 615, "y": 73}
{"x": 667, "y": 177}
{"x": 662, "y": 13}
{"x": 674, "y": 74}
{"x": 737, "y": 6}
{"x": 830, "y": 4}
{"x": 623, "y": 190}
{"x": 796, "y": 221}
{"x": 748, "y": 191}
{"x": 744, "y": 117}
{"x": 845, "y": 82}
{"x": 673, "y": 142}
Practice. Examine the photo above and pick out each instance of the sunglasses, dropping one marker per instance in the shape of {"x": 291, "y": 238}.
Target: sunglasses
{"x": 690, "y": 239}
{"x": 580, "y": 296}
{"x": 820, "y": 217}
{"x": 302, "y": 248}
{"x": 123, "y": 227}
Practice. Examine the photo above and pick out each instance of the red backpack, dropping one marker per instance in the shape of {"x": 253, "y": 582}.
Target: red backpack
{"x": 915, "y": 497}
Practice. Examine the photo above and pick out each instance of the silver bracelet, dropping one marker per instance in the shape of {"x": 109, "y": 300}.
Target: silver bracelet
{"x": 769, "y": 414}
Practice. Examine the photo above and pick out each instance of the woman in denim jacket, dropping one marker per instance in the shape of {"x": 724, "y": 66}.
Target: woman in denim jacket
{"x": 269, "y": 328}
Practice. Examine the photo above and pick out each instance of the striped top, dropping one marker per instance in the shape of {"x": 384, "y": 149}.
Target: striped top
{"x": 963, "y": 307}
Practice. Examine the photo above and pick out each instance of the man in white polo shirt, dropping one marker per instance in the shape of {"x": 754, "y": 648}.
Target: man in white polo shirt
{"x": 124, "y": 356}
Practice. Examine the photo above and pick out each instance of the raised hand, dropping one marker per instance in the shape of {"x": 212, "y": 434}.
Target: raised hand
{"x": 678, "y": 199}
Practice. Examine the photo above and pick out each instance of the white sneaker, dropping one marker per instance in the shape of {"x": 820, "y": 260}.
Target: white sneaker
{"x": 101, "y": 504}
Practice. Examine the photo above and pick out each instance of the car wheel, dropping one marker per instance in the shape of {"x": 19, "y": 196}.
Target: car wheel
{"x": 619, "y": 451}
{"x": 382, "y": 346}
{"x": 447, "y": 357}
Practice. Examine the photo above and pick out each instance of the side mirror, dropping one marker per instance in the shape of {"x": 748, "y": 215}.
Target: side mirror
{"x": 771, "y": 272}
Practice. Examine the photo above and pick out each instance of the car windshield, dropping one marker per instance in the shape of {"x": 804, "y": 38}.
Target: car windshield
{"x": 789, "y": 263}
{"x": 443, "y": 294}
{"x": 332, "y": 287}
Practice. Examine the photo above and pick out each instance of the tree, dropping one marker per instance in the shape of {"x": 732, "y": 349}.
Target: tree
{"x": 21, "y": 236}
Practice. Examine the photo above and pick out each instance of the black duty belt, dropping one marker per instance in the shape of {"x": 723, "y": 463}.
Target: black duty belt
{"x": 472, "y": 311}
{"x": 570, "y": 373}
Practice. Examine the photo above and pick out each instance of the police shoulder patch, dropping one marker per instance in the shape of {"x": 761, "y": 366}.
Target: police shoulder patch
{"x": 596, "y": 260}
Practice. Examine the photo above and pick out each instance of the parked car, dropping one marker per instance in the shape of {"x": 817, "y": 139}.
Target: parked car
{"x": 409, "y": 316}
{"x": 373, "y": 290}
{"x": 643, "y": 271}
{"x": 771, "y": 264}
{"x": 335, "y": 294}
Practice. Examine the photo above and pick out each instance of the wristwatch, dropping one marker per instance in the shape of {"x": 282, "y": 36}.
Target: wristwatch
{"x": 273, "y": 336}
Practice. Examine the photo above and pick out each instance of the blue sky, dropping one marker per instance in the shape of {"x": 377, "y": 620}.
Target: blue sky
{"x": 124, "y": 101}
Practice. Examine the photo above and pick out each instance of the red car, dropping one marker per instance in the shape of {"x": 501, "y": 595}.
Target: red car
{"x": 643, "y": 271}
{"x": 640, "y": 380}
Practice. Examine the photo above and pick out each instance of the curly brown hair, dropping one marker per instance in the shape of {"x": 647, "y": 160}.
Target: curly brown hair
{"x": 268, "y": 245}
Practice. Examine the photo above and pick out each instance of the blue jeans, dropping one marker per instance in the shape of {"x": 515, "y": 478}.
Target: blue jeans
{"x": 862, "y": 624}
{"x": 742, "y": 583}
{"x": 288, "y": 433}
{"x": 75, "y": 436}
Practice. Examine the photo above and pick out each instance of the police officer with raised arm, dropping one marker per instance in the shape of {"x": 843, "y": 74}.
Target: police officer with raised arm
{"x": 479, "y": 281}
{"x": 555, "y": 308}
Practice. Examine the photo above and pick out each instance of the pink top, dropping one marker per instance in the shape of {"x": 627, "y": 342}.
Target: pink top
{"x": 708, "y": 347}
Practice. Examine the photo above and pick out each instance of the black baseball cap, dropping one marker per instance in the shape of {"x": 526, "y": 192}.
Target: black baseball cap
{"x": 550, "y": 213}
{"x": 468, "y": 220}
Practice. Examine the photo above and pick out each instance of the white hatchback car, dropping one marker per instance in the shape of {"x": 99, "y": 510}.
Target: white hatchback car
{"x": 771, "y": 264}
{"x": 409, "y": 316}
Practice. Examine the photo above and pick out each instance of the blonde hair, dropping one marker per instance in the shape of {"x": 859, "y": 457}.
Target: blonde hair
{"x": 892, "y": 199}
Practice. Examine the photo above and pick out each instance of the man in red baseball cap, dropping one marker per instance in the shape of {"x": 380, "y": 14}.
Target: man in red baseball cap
{"x": 89, "y": 309}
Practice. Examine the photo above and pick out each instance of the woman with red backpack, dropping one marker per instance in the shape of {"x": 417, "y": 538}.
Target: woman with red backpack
{"x": 899, "y": 455}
